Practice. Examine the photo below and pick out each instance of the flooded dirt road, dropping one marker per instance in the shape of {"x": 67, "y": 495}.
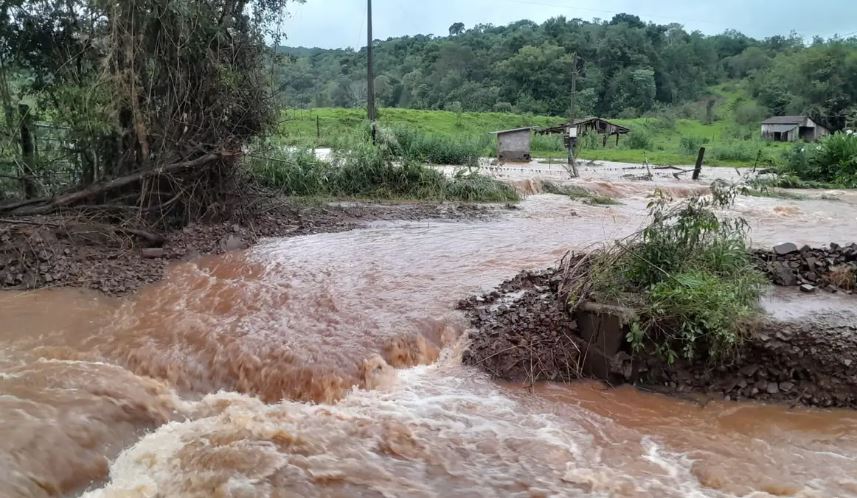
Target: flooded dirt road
{"x": 236, "y": 377}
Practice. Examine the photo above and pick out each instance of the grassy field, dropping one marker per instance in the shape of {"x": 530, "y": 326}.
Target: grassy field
{"x": 660, "y": 141}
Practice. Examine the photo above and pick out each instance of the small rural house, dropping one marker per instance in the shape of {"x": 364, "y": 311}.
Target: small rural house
{"x": 792, "y": 129}
{"x": 514, "y": 145}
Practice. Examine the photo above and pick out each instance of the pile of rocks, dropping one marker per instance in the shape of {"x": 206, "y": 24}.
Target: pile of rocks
{"x": 53, "y": 254}
{"x": 809, "y": 363}
{"x": 833, "y": 269}
{"x": 520, "y": 332}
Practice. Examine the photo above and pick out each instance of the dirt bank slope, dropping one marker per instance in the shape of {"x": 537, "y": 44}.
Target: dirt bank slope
{"x": 62, "y": 251}
{"x": 521, "y": 333}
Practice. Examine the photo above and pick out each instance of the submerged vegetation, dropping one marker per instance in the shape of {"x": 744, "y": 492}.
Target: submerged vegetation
{"x": 688, "y": 274}
{"x": 833, "y": 161}
{"x": 578, "y": 193}
{"x": 359, "y": 169}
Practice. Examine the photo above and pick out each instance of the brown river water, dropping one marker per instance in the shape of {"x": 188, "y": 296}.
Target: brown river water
{"x": 329, "y": 365}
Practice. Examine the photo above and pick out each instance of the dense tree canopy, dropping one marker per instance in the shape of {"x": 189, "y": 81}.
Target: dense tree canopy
{"x": 629, "y": 67}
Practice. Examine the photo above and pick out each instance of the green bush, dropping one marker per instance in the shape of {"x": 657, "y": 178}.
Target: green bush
{"x": 832, "y": 160}
{"x": 438, "y": 149}
{"x": 691, "y": 145}
{"x": 749, "y": 112}
{"x": 746, "y": 152}
{"x": 639, "y": 139}
{"x": 548, "y": 143}
{"x": 503, "y": 107}
{"x": 700, "y": 310}
{"x": 692, "y": 275}
{"x": 359, "y": 169}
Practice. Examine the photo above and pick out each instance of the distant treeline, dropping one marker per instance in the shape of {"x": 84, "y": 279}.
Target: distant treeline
{"x": 626, "y": 68}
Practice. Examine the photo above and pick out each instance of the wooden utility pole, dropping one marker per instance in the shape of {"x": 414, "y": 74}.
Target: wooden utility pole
{"x": 370, "y": 77}
{"x": 572, "y": 140}
{"x": 698, "y": 169}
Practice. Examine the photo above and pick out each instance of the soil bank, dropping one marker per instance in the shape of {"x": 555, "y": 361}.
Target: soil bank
{"x": 520, "y": 332}
{"x": 62, "y": 251}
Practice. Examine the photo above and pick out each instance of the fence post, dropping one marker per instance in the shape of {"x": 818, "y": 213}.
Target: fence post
{"x": 698, "y": 169}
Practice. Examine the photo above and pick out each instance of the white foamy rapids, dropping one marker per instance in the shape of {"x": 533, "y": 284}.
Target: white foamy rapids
{"x": 429, "y": 434}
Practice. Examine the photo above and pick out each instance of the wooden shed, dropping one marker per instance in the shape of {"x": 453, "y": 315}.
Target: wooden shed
{"x": 583, "y": 126}
{"x": 792, "y": 129}
{"x": 514, "y": 145}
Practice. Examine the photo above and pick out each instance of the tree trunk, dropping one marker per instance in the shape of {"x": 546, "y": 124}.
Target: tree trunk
{"x": 28, "y": 153}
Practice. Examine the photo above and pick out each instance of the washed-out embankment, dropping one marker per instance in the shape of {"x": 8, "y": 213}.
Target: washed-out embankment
{"x": 802, "y": 351}
{"x": 58, "y": 251}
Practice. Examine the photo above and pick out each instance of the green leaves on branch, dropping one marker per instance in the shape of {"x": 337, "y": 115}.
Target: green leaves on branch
{"x": 688, "y": 274}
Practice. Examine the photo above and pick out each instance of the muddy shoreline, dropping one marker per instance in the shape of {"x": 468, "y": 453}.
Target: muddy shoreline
{"x": 64, "y": 251}
{"x": 519, "y": 332}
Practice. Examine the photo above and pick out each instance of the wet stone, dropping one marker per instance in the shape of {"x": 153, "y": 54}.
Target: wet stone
{"x": 784, "y": 249}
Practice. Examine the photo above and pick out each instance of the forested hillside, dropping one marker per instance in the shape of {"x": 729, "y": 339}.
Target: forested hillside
{"x": 627, "y": 68}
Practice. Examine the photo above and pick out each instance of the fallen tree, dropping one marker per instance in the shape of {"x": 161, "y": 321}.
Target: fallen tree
{"x": 103, "y": 188}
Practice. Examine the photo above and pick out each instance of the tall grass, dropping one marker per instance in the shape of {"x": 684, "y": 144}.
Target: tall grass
{"x": 548, "y": 143}
{"x": 359, "y": 169}
{"x": 433, "y": 148}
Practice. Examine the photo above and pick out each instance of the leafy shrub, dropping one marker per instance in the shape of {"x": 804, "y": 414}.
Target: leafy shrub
{"x": 438, "y": 149}
{"x": 665, "y": 121}
{"x": 691, "y": 273}
{"x": 691, "y": 145}
{"x": 700, "y": 309}
{"x": 739, "y": 151}
{"x": 503, "y": 107}
{"x": 548, "y": 143}
{"x": 479, "y": 188}
{"x": 363, "y": 170}
{"x": 833, "y": 160}
{"x": 749, "y": 112}
{"x": 639, "y": 139}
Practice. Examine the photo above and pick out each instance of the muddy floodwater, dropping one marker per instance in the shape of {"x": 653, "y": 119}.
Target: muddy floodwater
{"x": 329, "y": 365}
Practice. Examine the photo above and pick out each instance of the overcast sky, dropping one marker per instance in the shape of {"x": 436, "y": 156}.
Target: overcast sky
{"x": 342, "y": 23}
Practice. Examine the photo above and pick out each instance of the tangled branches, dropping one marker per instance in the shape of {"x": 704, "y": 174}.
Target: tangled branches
{"x": 158, "y": 98}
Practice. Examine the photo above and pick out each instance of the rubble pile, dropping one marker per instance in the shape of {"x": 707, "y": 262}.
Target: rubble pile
{"x": 832, "y": 269}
